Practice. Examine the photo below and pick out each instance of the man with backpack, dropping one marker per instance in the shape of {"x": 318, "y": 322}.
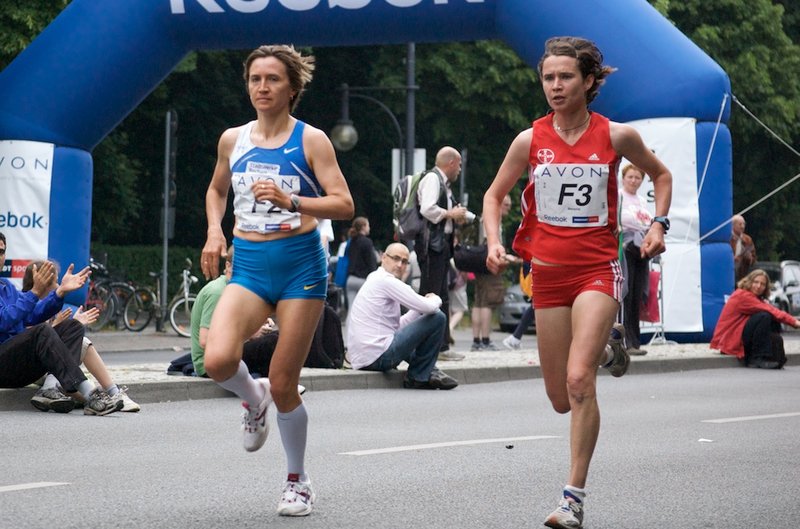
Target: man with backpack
{"x": 434, "y": 244}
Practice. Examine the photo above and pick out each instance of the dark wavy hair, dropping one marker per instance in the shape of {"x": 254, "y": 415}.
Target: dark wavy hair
{"x": 588, "y": 55}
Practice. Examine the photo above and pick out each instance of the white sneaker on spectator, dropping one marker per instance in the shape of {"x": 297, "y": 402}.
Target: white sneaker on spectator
{"x": 127, "y": 403}
{"x": 512, "y": 342}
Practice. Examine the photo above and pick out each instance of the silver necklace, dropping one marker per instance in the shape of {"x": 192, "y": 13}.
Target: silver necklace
{"x": 559, "y": 129}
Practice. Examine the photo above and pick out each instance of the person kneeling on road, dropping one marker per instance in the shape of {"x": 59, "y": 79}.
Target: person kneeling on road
{"x": 379, "y": 338}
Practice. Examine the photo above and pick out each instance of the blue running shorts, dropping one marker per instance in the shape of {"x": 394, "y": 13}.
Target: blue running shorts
{"x": 290, "y": 268}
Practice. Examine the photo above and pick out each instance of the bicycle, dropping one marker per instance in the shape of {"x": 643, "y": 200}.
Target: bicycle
{"x": 145, "y": 303}
{"x": 101, "y": 297}
{"x": 106, "y": 294}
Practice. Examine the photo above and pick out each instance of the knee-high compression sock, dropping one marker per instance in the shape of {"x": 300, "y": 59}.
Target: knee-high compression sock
{"x": 243, "y": 385}
{"x": 293, "y": 426}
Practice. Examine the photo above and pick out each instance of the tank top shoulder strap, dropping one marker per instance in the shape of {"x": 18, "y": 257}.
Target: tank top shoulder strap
{"x": 243, "y": 143}
{"x": 297, "y": 134}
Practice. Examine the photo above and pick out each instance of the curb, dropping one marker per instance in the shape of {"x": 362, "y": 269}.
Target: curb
{"x": 188, "y": 388}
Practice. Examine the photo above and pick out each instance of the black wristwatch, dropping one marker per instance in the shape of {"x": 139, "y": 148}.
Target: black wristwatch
{"x": 664, "y": 221}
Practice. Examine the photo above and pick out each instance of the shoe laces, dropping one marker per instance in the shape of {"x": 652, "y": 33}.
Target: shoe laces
{"x": 99, "y": 400}
{"x": 52, "y": 393}
{"x": 251, "y": 418}
{"x": 572, "y": 507}
{"x": 296, "y": 491}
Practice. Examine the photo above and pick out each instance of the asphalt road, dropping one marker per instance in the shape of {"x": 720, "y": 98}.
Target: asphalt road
{"x": 715, "y": 448}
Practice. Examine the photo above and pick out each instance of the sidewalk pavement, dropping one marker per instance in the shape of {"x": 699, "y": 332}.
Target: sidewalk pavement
{"x": 148, "y": 382}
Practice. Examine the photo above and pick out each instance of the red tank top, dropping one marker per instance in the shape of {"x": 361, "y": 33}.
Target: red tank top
{"x": 569, "y": 207}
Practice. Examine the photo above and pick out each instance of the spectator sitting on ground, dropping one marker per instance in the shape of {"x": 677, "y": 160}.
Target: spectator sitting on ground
{"x": 90, "y": 358}
{"x": 749, "y": 327}
{"x": 379, "y": 338}
{"x": 257, "y": 351}
{"x": 27, "y": 354}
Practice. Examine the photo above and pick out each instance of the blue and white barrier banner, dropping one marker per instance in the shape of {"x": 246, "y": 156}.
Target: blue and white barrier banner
{"x": 673, "y": 140}
{"x": 26, "y": 169}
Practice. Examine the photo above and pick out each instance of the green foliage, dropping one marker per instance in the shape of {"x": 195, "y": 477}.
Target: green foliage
{"x": 116, "y": 206}
{"x": 134, "y": 263}
{"x": 753, "y": 41}
{"x": 21, "y": 21}
{"x": 475, "y": 96}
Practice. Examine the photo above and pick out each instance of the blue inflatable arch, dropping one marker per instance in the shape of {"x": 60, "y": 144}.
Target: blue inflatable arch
{"x": 98, "y": 60}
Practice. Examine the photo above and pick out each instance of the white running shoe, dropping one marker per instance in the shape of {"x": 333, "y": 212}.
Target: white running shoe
{"x": 254, "y": 420}
{"x": 127, "y": 403}
{"x": 569, "y": 515}
{"x": 297, "y": 499}
{"x": 511, "y": 342}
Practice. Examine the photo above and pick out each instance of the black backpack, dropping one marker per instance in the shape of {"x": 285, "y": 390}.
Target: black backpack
{"x": 408, "y": 222}
{"x": 327, "y": 347}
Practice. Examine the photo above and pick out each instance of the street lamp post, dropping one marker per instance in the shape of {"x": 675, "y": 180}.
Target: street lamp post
{"x": 345, "y": 136}
{"x": 410, "y": 105}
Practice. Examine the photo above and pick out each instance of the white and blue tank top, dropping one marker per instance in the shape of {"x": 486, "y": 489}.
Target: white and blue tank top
{"x": 285, "y": 165}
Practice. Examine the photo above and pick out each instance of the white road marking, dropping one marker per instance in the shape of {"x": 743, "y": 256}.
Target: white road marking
{"x": 754, "y": 417}
{"x": 37, "y": 485}
{"x": 408, "y": 448}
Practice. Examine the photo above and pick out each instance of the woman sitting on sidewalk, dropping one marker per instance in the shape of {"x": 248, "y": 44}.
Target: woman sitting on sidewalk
{"x": 749, "y": 327}
{"x": 50, "y": 396}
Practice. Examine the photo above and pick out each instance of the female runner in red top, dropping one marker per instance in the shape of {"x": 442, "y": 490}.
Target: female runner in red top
{"x": 569, "y": 233}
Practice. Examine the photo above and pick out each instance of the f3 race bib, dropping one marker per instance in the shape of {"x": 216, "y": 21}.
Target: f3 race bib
{"x": 572, "y": 195}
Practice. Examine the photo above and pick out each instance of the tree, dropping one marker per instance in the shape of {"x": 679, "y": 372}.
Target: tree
{"x": 21, "y": 21}
{"x": 475, "y": 95}
{"x": 748, "y": 39}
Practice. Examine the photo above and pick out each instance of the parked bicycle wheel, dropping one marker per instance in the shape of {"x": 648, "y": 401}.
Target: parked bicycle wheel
{"x": 139, "y": 309}
{"x": 101, "y": 297}
{"x": 180, "y": 315}
{"x": 122, "y": 292}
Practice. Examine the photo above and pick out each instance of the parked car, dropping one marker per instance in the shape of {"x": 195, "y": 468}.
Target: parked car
{"x": 785, "y": 279}
{"x": 512, "y": 308}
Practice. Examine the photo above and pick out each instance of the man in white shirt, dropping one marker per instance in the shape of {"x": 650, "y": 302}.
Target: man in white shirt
{"x": 379, "y": 338}
{"x": 434, "y": 246}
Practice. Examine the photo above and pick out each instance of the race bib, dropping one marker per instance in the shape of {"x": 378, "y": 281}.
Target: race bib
{"x": 263, "y": 217}
{"x": 572, "y": 195}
